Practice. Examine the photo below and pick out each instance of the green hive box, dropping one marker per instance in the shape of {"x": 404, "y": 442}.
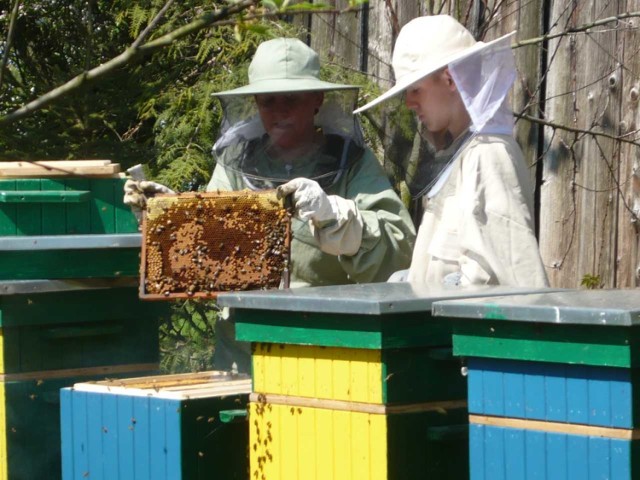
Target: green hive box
{"x": 156, "y": 428}
{"x": 54, "y": 334}
{"x": 66, "y": 228}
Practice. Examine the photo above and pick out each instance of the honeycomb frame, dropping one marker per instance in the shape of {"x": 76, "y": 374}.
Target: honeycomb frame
{"x": 197, "y": 245}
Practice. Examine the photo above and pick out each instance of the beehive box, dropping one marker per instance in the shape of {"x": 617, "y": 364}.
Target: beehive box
{"x": 54, "y": 334}
{"x": 81, "y": 328}
{"x": 354, "y": 382}
{"x": 554, "y": 383}
{"x": 71, "y": 225}
{"x": 166, "y": 427}
{"x": 353, "y": 413}
{"x": 199, "y": 244}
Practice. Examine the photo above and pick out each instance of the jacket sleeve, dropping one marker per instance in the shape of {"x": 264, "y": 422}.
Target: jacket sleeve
{"x": 497, "y": 239}
{"x": 388, "y": 233}
{"x": 219, "y": 180}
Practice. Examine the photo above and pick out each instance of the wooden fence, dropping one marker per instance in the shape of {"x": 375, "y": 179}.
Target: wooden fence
{"x": 576, "y": 98}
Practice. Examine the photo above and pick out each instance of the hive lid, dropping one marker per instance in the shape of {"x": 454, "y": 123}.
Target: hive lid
{"x": 595, "y": 307}
{"x": 21, "y": 287}
{"x": 366, "y": 299}
{"x": 178, "y": 386}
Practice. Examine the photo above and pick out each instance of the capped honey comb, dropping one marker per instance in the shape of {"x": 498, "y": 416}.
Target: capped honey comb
{"x": 201, "y": 244}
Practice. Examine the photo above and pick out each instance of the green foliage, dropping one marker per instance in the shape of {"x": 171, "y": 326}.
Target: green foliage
{"x": 160, "y": 112}
{"x": 591, "y": 282}
{"x": 187, "y": 339}
{"x": 333, "y": 72}
{"x": 138, "y": 17}
{"x": 187, "y": 115}
{"x": 307, "y": 6}
{"x": 117, "y": 118}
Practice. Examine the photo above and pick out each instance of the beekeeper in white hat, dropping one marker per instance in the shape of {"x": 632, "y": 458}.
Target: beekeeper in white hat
{"x": 478, "y": 222}
{"x": 289, "y": 130}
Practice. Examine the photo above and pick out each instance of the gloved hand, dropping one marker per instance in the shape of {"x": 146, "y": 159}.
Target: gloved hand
{"x": 136, "y": 194}
{"x": 399, "y": 276}
{"x": 310, "y": 201}
{"x": 453, "y": 279}
{"x": 334, "y": 221}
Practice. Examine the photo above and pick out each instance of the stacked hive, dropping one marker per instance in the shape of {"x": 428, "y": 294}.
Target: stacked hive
{"x": 553, "y": 384}
{"x": 68, "y": 300}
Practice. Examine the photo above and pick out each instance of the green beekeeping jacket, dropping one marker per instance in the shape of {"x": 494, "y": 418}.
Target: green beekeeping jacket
{"x": 388, "y": 234}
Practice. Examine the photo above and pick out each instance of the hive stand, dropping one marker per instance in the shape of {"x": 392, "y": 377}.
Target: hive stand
{"x": 553, "y": 383}
{"x": 353, "y": 382}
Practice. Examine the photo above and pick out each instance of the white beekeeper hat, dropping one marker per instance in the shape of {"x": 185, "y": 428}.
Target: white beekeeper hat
{"x": 427, "y": 44}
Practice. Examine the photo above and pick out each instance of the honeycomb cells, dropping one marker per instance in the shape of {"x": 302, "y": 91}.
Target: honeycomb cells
{"x": 204, "y": 243}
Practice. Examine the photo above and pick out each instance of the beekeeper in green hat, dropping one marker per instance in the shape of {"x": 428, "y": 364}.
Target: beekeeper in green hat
{"x": 289, "y": 130}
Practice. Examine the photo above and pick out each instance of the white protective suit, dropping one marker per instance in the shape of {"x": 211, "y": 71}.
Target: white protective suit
{"x": 478, "y": 221}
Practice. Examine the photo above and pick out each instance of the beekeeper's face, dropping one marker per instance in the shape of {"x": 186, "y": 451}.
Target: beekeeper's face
{"x": 432, "y": 99}
{"x": 288, "y": 118}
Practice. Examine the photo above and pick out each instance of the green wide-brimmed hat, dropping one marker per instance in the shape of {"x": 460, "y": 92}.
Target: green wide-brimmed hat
{"x": 284, "y": 65}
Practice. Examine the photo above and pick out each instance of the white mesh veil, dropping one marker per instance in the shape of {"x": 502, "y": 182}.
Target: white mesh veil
{"x": 483, "y": 80}
{"x": 242, "y": 128}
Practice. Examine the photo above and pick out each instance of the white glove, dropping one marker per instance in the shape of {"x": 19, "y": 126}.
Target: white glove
{"x": 136, "y": 194}
{"x": 310, "y": 201}
{"x": 453, "y": 279}
{"x": 399, "y": 276}
{"x": 334, "y": 221}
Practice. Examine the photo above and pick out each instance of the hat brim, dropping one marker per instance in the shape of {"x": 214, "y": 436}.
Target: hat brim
{"x": 284, "y": 86}
{"x": 408, "y": 80}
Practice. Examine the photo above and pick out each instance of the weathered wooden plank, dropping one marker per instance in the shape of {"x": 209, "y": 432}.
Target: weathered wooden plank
{"x": 384, "y": 21}
{"x": 381, "y": 37}
{"x": 335, "y": 36}
{"x": 55, "y": 163}
{"x": 628, "y": 225}
{"x": 302, "y": 21}
{"x": 572, "y": 429}
{"x": 578, "y": 215}
{"x": 42, "y": 171}
{"x": 527, "y": 18}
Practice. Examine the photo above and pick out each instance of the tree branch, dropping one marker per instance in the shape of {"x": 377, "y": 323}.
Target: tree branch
{"x": 582, "y": 28}
{"x": 152, "y": 24}
{"x": 547, "y": 123}
{"x": 126, "y": 57}
{"x": 7, "y": 46}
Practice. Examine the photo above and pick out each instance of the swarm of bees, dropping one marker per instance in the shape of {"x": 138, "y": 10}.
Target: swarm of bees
{"x": 200, "y": 244}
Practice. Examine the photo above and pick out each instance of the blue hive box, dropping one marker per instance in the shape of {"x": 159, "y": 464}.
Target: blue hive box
{"x": 154, "y": 428}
